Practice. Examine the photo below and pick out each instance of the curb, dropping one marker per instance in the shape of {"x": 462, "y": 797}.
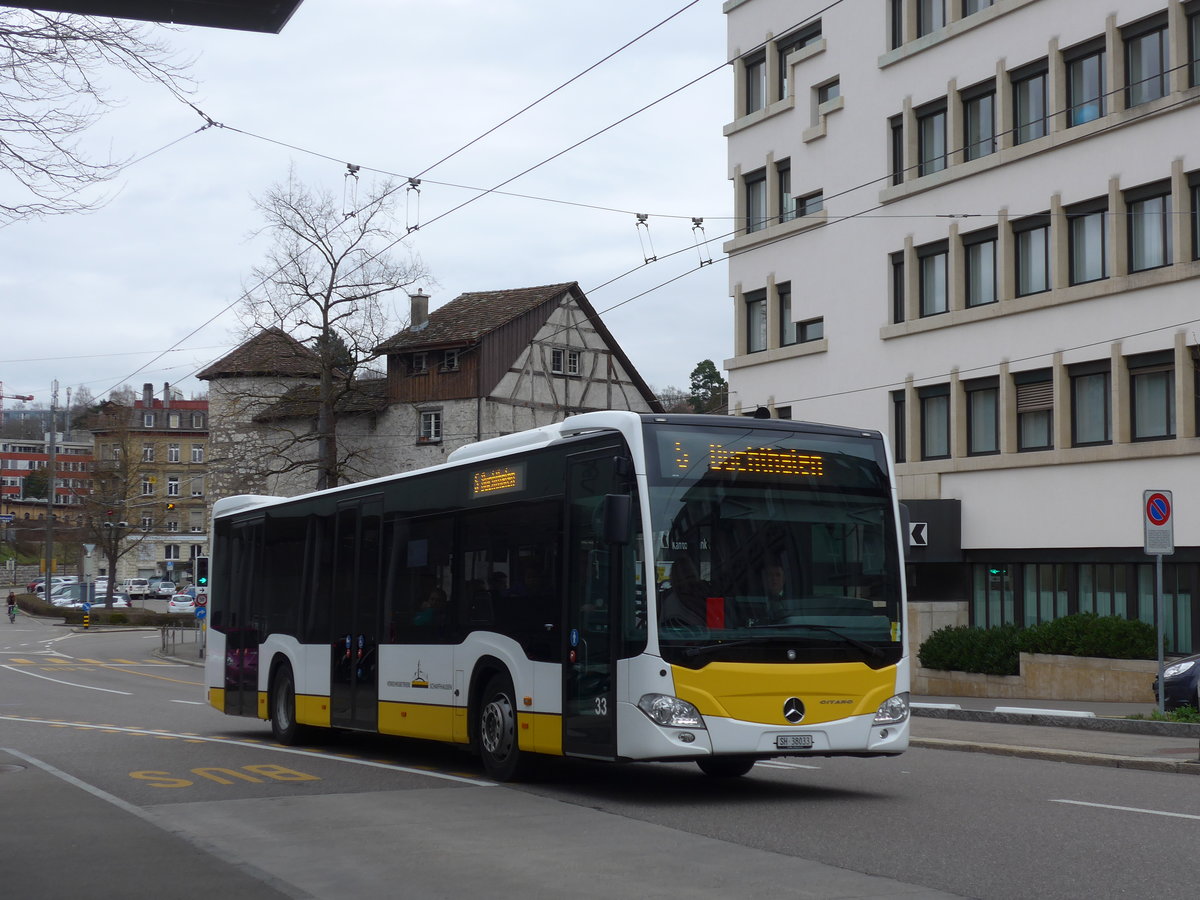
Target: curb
{"x": 1123, "y": 726}
{"x": 197, "y": 663}
{"x": 1145, "y": 764}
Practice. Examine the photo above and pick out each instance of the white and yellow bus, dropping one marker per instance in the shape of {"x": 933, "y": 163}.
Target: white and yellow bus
{"x": 616, "y": 586}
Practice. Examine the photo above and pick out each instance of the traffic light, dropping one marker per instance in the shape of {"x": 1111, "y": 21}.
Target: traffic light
{"x": 170, "y": 506}
{"x": 202, "y": 571}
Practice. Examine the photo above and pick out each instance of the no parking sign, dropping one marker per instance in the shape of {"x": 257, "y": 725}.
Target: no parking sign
{"x": 1158, "y": 523}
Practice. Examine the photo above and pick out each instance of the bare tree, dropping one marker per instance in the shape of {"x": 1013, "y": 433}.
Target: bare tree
{"x": 326, "y": 282}
{"x": 50, "y": 95}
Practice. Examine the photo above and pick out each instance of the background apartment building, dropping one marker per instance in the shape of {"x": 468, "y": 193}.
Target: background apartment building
{"x": 976, "y": 226}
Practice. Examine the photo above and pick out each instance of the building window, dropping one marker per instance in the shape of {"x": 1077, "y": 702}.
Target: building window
{"x": 147, "y": 453}
{"x": 173, "y": 453}
{"x": 756, "y": 321}
{"x": 197, "y": 453}
{"x": 198, "y": 486}
{"x": 147, "y": 523}
{"x": 756, "y": 82}
{"x": 431, "y": 427}
{"x": 1085, "y": 86}
{"x": 418, "y": 364}
{"x": 1046, "y": 592}
{"x": 970, "y": 7}
{"x": 147, "y": 486}
{"x": 899, "y": 426}
{"x": 934, "y": 295}
{"x": 979, "y": 259}
{"x": 896, "y": 136}
{"x": 170, "y": 551}
{"x": 931, "y": 15}
{"x": 564, "y": 362}
{"x": 935, "y": 422}
{"x": 173, "y": 526}
{"x": 147, "y": 420}
{"x": 787, "y": 203}
{"x": 1102, "y": 589}
{"x": 931, "y": 140}
{"x": 1090, "y": 419}
{"x": 1149, "y": 211}
{"x": 1035, "y": 410}
{"x": 197, "y": 420}
{"x": 830, "y": 90}
{"x": 1029, "y": 104}
{"x": 979, "y": 122}
{"x": 1152, "y": 396}
{"x": 1147, "y": 63}
{"x": 810, "y": 204}
{"x": 787, "y": 328}
{"x": 1087, "y": 229}
{"x": 983, "y": 417}
{"x": 173, "y": 420}
{"x": 898, "y": 310}
{"x": 756, "y": 201}
{"x": 449, "y": 360}
{"x": 1032, "y": 239}
{"x": 788, "y": 45}
{"x": 992, "y": 596}
{"x": 173, "y": 486}
{"x": 811, "y": 329}
{"x": 1194, "y": 49}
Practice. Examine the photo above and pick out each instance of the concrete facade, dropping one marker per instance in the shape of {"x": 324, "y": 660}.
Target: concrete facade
{"x": 976, "y": 227}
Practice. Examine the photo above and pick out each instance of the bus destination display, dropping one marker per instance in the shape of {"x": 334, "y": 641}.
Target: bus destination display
{"x": 754, "y": 460}
{"x": 498, "y": 480}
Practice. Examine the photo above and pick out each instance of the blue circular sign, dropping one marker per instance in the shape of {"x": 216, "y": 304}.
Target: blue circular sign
{"x": 201, "y": 613}
{"x": 574, "y": 638}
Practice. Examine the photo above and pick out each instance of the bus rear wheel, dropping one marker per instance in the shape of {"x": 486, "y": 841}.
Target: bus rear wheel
{"x": 725, "y": 766}
{"x": 502, "y": 757}
{"x": 284, "y": 727}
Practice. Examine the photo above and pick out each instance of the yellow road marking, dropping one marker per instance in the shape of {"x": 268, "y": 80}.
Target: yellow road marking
{"x": 27, "y": 662}
{"x": 57, "y": 660}
{"x": 125, "y": 662}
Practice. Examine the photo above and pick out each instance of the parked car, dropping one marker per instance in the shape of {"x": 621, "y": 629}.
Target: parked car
{"x": 137, "y": 587}
{"x": 37, "y": 585}
{"x": 165, "y": 589}
{"x": 1182, "y": 680}
{"x": 120, "y": 601}
{"x": 181, "y": 603}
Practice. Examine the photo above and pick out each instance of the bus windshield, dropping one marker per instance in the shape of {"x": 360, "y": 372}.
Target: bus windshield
{"x": 773, "y": 543}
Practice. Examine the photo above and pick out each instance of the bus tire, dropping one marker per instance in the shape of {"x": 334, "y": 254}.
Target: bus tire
{"x": 725, "y": 766}
{"x": 284, "y": 727}
{"x": 497, "y": 730}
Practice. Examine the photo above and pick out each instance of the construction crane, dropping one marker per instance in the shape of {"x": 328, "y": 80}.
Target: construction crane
{"x": 3, "y": 396}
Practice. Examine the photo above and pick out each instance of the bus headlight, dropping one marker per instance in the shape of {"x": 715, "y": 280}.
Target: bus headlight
{"x": 892, "y": 710}
{"x": 671, "y": 712}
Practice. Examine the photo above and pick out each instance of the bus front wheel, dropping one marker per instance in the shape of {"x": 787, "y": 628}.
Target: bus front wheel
{"x": 283, "y": 709}
{"x": 725, "y": 766}
{"x": 502, "y": 758}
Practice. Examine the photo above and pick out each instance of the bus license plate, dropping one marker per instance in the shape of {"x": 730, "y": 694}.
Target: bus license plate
{"x": 793, "y": 741}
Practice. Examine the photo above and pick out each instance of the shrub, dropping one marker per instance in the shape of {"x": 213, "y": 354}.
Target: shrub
{"x": 996, "y": 651}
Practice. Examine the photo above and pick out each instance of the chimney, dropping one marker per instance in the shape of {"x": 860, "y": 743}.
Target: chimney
{"x": 419, "y": 310}
{"x": 166, "y": 393}
{"x": 147, "y": 395}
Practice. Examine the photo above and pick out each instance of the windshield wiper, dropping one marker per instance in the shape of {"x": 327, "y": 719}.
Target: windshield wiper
{"x": 870, "y": 650}
{"x": 866, "y": 648}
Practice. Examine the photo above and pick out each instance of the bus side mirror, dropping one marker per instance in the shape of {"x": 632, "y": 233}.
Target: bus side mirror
{"x": 905, "y": 530}
{"x": 618, "y": 518}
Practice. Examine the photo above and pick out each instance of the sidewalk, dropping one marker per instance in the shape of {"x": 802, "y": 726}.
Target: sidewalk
{"x": 1097, "y": 734}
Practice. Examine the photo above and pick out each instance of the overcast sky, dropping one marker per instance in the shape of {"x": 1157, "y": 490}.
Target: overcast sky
{"x": 395, "y": 85}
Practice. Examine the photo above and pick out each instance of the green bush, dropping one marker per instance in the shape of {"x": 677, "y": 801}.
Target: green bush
{"x": 996, "y": 651}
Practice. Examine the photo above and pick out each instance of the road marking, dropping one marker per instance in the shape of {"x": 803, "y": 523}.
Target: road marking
{"x": 191, "y": 702}
{"x": 90, "y": 687}
{"x": 254, "y": 745}
{"x": 1149, "y": 812}
{"x": 784, "y": 765}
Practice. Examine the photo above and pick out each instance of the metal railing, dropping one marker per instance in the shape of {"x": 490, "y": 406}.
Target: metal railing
{"x": 178, "y": 640}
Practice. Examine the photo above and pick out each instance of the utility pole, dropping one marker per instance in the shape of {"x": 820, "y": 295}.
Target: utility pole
{"x": 51, "y": 450}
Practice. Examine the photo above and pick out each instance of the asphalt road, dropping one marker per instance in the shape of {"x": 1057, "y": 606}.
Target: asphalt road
{"x": 116, "y": 780}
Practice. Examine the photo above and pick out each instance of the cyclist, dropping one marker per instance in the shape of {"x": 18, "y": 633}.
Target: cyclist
{"x": 12, "y": 607}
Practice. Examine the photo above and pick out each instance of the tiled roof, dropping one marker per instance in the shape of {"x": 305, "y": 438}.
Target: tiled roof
{"x": 364, "y": 395}
{"x": 470, "y": 316}
{"x": 271, "y": 352}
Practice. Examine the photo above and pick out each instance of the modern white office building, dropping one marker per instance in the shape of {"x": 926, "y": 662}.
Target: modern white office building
{"x": 976, "y": 226}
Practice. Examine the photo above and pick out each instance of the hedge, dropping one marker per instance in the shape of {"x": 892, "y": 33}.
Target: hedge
{"x": 996, "y": 651}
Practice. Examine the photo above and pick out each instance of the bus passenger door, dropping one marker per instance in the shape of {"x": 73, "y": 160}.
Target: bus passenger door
{"x": 592, "y": 605}
{"x": 243, "y": 596}
{"x": 355, "y": 615}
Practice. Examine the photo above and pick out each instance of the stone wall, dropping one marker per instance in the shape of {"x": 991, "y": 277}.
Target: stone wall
{"x": 927, "y": 616}
{"x": 1047, "y": 677}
